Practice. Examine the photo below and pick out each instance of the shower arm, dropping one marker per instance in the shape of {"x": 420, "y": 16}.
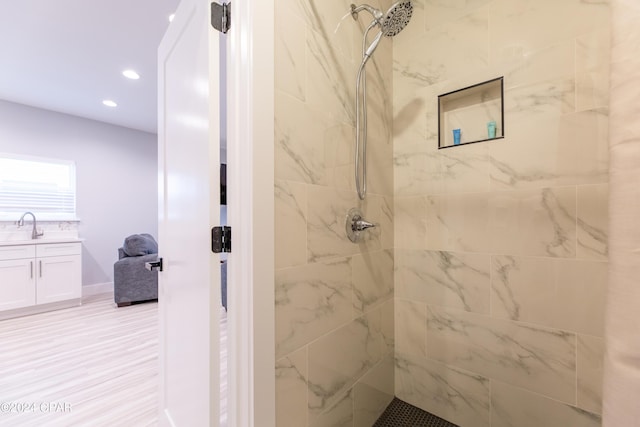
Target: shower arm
{"x": 377, "y": 14}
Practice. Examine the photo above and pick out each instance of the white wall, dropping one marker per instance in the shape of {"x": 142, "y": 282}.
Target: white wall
{"x": 621, "y": 367}
{"x": 116, "y": 176}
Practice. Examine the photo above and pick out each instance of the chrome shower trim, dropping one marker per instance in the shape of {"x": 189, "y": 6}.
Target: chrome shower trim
{"x": 376, "y": 13}
{"x": 356, "y": 225}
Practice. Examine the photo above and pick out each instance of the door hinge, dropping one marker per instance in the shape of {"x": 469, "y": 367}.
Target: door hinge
{"x": 221, "y": 239}
{"x": 221, "y": 16}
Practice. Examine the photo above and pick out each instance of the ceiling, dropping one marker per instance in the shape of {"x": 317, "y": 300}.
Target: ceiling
{"x": 68, "y": 56}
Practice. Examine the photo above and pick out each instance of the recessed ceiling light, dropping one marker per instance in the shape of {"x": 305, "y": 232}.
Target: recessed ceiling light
{"x": 109, "y": 103}
{"x": 130, "y": 74}
{"x": 173, "y": 15}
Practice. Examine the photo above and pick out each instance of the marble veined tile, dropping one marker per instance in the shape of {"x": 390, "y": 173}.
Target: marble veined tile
{"x": 340, "y": 358}
{"x": 567, "y": 150}
{"x": 536, "y": 358}
{"x": 410, "y": 223}
{"x": 465, "y": 169}
{"x": 290, "y": 223}
{"x": 459, "y": 222}
{"x": 538, "y": 100}
{"x": 291, "y": 390}
{"x": 590, "y": 361}
{"x": 325, "y": 19}
{"x": 380, "y": 162}
{"x": 327, "y": 214}
{"x": 386, "y": 220}
{"x": 290, "y": 56}
{"x": 583, "y": 149}
{"x": 339, "y": 154}
{"x": 538, "y": 222}
{"x": 379, "y": 87}
{"x": 438, "y": 12}
{"x": 527, "y": 157}
{"x": 387, "y": 312}
{"x": 519, "y": 285}
{"x": 592, "y": 69}
{"x": 411, "y": 327}
{"x": 379, "y": 77}
{"x": 299, "y": 141}
{"x": 563, "y": 294}
{"x": 516, "y": 23}
{"x": 311, "y": 300}
{"x": 333, "y": 77}
{"x": 456, "y": 395}
{"x": 372, "y": 279}
{"x": 584, "y": 282}
{"x": 373, "y": 393}
{"x": 416, "y": 165}
{"x": 339, "y": 415}
{"x": 441, "y": 53}
{"x": 593, "y": 222}
{"x": 522, "y": 66}
{"x": 445, "y": 279}
{"x": 409, "y": 119}
{"x": 515, "y": 407}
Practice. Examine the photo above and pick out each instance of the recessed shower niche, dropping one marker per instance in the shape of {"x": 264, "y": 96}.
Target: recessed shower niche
{"x": 472, "y": 114}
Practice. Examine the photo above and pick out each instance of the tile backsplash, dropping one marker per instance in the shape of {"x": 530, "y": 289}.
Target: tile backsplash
{"x": 9, "y": 231}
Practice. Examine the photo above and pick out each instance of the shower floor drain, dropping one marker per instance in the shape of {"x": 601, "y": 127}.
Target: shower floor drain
{"x": 402, "y": 414}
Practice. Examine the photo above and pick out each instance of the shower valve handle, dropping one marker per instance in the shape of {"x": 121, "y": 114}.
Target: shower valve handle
{"x": 361, "y": 225}
{"x": 355, "y": 225}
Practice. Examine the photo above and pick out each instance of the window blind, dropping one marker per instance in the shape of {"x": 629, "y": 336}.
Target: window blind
{"x": 43, "y": 186}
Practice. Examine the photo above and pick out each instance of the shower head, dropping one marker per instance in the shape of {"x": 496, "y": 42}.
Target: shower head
{"x": 390, "y": 23}
{"x": 396, "y": 18}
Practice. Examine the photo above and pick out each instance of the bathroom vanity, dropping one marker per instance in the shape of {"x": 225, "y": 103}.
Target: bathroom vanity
{"x": 39, "y": 275}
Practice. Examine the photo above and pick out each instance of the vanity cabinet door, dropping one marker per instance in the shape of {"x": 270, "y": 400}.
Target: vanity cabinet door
{"x": 59, "y": 278}
{"x": 17, "y": 283}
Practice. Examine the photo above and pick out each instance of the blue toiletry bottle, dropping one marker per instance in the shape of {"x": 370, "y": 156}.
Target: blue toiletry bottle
{"x": 456, "y": 136}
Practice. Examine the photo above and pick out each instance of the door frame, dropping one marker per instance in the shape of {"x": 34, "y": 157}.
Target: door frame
{"x": 250, "y": 213}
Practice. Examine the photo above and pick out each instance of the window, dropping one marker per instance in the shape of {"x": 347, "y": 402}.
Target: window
{"x": 46, "y": 187}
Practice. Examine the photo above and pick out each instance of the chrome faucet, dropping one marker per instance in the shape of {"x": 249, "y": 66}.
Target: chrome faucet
{"x": 34, "y": 233}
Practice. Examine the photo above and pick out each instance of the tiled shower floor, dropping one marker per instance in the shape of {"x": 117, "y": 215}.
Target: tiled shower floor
{"x": 402, "y": 414}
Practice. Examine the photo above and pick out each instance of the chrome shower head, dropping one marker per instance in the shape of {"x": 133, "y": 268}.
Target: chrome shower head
{"x": 390, "y": 23}
{"x": 396, "y": 18}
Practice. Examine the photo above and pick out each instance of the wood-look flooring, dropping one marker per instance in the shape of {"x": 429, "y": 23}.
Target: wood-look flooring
{"x": 92, "y": 365}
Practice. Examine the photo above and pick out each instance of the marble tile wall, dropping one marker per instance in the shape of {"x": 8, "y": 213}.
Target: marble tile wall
{"x": 501, "y": 253}
{"x": 334, "y": 308}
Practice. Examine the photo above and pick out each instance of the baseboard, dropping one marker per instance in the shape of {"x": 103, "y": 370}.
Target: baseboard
{"x": 97, "y": 289}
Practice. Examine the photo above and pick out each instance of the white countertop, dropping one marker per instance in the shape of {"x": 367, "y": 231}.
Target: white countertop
{"x": 40, "y": 241}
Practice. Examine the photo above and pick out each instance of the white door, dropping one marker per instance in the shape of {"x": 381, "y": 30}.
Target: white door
{"x": 188, "y": 156}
